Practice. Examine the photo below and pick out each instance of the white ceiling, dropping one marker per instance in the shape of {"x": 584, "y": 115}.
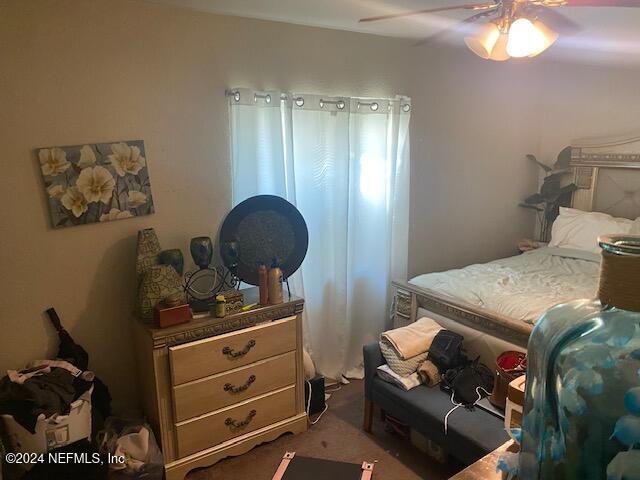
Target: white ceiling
{"x": 609, "y": 35}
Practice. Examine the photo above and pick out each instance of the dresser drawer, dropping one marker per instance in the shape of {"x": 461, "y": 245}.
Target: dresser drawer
{"x": 217, "y": 427}
{"x": 223, "y": 389}
{"x": 209, "y": 356}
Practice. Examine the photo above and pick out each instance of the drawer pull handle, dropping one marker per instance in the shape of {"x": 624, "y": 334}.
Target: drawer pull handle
{"x": 231, "y": 389}
{"x": 228, "y": 351}
{"x": 236, "y": 425}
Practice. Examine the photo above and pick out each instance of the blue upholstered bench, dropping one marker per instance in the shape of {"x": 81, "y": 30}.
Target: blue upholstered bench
{"x": 470, "y": 434}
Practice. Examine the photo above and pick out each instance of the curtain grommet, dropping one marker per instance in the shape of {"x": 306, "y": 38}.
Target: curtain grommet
{"x": 299, "y": 101}
{"x": 267, "y": 97}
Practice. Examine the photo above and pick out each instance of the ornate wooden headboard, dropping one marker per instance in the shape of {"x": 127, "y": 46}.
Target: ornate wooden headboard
{"x": 607, "y": 173}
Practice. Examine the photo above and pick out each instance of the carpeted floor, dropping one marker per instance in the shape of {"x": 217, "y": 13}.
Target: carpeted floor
{"x": 337, "y": 436}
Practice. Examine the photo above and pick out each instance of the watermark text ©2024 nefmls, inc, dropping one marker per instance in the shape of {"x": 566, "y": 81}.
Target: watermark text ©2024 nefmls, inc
{"x": 62, "y": 458}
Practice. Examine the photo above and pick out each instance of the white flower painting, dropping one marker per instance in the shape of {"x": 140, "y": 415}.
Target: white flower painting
{"x": 53, "y": 161}
{"x": 115, "y": 214}
{"x": 56, "y": 191}
{"x": 126, "y": 159}
{"x": 74, "y": 201}
{"x": 87, "y": 157}
{"x": 96, "y": 182}
{"x": 136, "y": 198}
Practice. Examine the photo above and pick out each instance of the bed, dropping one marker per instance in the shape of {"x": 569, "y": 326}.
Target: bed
{"x": 495, "y": 305}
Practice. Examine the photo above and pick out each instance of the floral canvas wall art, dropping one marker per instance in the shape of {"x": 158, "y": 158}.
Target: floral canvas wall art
{"x": 96, "y": 182}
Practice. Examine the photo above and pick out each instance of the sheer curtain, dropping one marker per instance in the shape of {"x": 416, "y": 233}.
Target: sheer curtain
{"x": 344, "y": 162}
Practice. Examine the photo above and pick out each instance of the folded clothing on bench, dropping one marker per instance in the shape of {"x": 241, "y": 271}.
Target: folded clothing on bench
{"x": 405, "y": 383}
{"x": 413, "y": 339}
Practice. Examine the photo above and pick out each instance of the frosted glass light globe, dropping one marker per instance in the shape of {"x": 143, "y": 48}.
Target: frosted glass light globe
{"x": 499, "y": 52}
{"x": 549, "y": 36}
{"x": 524, "y": 39}
{"x": 484, "y": 40}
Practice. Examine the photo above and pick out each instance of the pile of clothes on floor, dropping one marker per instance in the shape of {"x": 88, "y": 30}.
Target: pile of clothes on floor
{"x": 38, "y": 406}
{"x": 48, "y": 387}
{"x": 47, "y": 408}
{"x": 44, "y": 389}
{"x": 425, "y": 353}
{"x": 38, "y": 403}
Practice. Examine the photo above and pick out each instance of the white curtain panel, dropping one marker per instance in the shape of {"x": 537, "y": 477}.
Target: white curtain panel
{"x": 344, "y": 163}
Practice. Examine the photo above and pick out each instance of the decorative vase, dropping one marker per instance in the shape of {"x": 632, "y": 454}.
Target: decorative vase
{"x": 174, "y": 258}
{"x": 582, "y": 407}
{"x": 230, "y": 255}
{"x": 148, "y": 250}
{"x": 201, "y": 251}
{"x": 158, "y": 283}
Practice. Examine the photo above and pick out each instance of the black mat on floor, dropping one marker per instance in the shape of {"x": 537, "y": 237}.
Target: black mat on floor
{"x": 305, "y": 468}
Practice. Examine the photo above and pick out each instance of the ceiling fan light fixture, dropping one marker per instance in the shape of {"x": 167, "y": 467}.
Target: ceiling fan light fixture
{"x": 484, "y": 40}
{"x": 524, "y": 39}
{"x": 549, "y": 36}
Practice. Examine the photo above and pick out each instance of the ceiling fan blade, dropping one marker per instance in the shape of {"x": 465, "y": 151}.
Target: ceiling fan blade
{"x": 556, "y": 20}
{"x": 453, "y": 28}
{"x": 602, "y": 3}
{"x": 468, "y": 6}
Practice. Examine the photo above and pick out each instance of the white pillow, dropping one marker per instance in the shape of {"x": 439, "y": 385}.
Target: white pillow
{"x": 580, "y": 230}
{"x": 635, "y": 229}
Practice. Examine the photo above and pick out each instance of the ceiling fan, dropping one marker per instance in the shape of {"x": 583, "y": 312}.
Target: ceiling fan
{"x": 516, "y": 28}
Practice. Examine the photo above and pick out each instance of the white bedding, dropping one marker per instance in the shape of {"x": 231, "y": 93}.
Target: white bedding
{"x": 521, "y": 287}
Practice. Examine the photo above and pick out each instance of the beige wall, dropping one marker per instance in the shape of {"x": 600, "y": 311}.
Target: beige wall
{"x": 474, "y": 122}
{"x": 586, "y": 101}
{"x": 92, "y": 71}
{"x": 473, "y": 126}
{"x": 80, "y": 71}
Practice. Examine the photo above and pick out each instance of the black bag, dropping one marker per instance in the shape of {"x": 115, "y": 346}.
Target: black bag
{"x": 469, "y": 383}
{"x": 73, "y": 353}
{"x": 446, "y": 351}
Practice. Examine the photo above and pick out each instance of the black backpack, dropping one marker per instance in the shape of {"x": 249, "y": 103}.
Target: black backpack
{"x": 468, "y": 383}
{"x": 446, "y": 351}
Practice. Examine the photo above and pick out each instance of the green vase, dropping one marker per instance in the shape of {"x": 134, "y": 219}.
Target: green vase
{"x": 158, "y": 282}
{"x": 174, "y": 258}
{"x": 201, "y": 251}
{"x": 148, "y": 250}
{"x": 155, "y": 281}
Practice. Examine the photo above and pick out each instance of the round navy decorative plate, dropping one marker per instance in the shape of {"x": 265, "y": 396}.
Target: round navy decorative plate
{"x": 260, "y": 230}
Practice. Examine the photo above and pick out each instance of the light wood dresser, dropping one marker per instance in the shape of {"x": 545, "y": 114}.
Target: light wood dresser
{"x": 217, "y": 387}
